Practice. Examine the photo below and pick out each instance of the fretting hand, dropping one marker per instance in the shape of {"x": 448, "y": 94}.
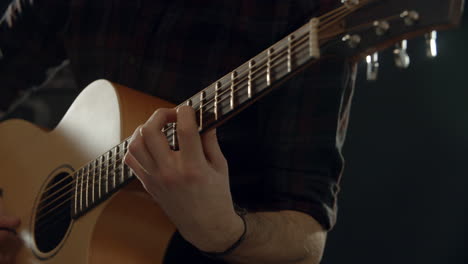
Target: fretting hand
{"x": 192, "y": 184}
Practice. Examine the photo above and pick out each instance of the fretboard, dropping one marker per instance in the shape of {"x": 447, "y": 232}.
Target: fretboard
{"x": 99, "y": 179}
{"x": 252, "y": 80}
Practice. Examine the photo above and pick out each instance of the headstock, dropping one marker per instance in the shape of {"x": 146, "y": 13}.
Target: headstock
{"x": 360, "y": 28}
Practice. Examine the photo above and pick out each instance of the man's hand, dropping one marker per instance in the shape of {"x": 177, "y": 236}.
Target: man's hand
{"x": 192, "y": 184}
{"x": 9, "y": 241}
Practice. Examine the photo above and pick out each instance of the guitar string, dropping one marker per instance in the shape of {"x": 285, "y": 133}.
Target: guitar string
{"x": 106, "y": 180}
{"x": 103, "y": 180}
{"x": 222, "y": 91}
{"x": 321, "y": 17}
{"x": 93, "y": 182}
{"x": 168, "y": 136}
{"x": 344, "y": 12}
{"x": 219, "y": 95}
{"x": 324, "y": 18}
{"x": 94, "y": 168}
{"x": 245, "y": 75}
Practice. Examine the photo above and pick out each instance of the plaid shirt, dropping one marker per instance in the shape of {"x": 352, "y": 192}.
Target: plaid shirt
{"x": 284, "y": 152}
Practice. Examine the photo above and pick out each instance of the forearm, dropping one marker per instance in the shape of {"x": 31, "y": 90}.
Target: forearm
{"x": 280, "y": 237}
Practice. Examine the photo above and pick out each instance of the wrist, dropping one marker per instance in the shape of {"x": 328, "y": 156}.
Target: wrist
{"x": 223, "y": 237}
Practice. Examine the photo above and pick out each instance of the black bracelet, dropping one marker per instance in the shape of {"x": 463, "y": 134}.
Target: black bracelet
{"x": 218, "y": 255}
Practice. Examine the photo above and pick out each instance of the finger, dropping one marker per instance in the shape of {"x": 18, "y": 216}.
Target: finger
{"x": 138, "y": 150}
{"x": 212, "y": 150}
{"x": 190, "y": 145}
{"x": 138, "y": 170}
{"x": 155, "y": 140}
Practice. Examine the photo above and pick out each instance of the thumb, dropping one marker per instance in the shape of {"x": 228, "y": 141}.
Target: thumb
{"x": 7, "y": 221}
{"x": 212, "y": 151}
{"x": 10, "y": 222}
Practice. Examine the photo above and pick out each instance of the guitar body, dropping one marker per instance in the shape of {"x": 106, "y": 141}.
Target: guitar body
{"x": 126, "y": 228}
{"x": 37, "y": 166}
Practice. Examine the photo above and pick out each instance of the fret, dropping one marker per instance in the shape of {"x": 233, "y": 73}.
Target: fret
{"x": 249, "y": 82}
{"x": 96, "y": 166}
{"x": 115, "y": 165}
{"x": 290, "y": 40}
{"x": 81, "y": 189}
{"x": 175, "y": 143}
{"x": 108, "y": 170}
{"x": 103, "y": 164}
{"x": 120, "y": 177}
{"x": 217, "y": 88}
{"x": 125, "y": 148}
{"x": 268, "y": 75}
{"x": 200, "y": 108}
{"x": 233, "y": 85}
{"x": 90, "y": 170}
{"x": 77, "y": 182}
{"x": 314, "y": 50}
{"x": 189, "y": 102}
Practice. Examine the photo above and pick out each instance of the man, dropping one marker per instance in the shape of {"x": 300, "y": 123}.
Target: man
{"x": 283, "y": 152}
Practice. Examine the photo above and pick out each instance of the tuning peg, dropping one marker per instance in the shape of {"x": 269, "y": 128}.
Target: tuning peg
{"x": 402, "y": 59}
{"x": 372, "y": 66}
{"x": 352, "y": 40}
{"x": 431, "y": 44}
{"x": 410, "y": 17}
{"x": 350, "y": 2}
{"x": 381, "y": 27}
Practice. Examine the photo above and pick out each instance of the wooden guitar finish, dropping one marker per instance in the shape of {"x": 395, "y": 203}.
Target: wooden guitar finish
{"x": 127, "y": 228}
{"x": 61, "y": 180}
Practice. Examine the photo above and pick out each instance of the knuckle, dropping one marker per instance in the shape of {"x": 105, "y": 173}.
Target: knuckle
{"x": 188, "y": 110}
{"x": 182, "y": 130}
{"x": 169, "y": 180}
{"x": 145, "y": 131}
{"x": 223, "y": 162}
{"x": 160, "y": 111}
{"x": 191, "y": 172}
{"x": 133, "y": 147}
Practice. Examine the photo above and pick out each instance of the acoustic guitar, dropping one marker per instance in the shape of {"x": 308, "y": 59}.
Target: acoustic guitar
{"x": 77, "y": 200}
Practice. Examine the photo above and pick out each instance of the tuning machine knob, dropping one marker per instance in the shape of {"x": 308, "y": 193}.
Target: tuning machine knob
{"x": 431, "y": 44}
{"x": 410, "y": 17}
{"x": 352, "y": 40}
{"x": 381, "y": 27}
{"x": 372, "y": 66}
{"x": 402, "y": 59}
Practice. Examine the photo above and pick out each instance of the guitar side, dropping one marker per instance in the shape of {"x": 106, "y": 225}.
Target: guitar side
{"x": 128, "y": 227}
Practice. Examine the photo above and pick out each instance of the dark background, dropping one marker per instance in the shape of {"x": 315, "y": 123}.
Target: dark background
{"x": 403, "y": 191}
{"x": 403, "y": 197}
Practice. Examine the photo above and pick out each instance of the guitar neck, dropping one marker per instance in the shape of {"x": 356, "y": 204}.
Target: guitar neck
{"x": 99, "y": 179}
{"x": 252, "y": 80}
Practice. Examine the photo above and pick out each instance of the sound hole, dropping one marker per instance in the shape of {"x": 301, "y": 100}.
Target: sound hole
{"x": 53, "y": 214}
